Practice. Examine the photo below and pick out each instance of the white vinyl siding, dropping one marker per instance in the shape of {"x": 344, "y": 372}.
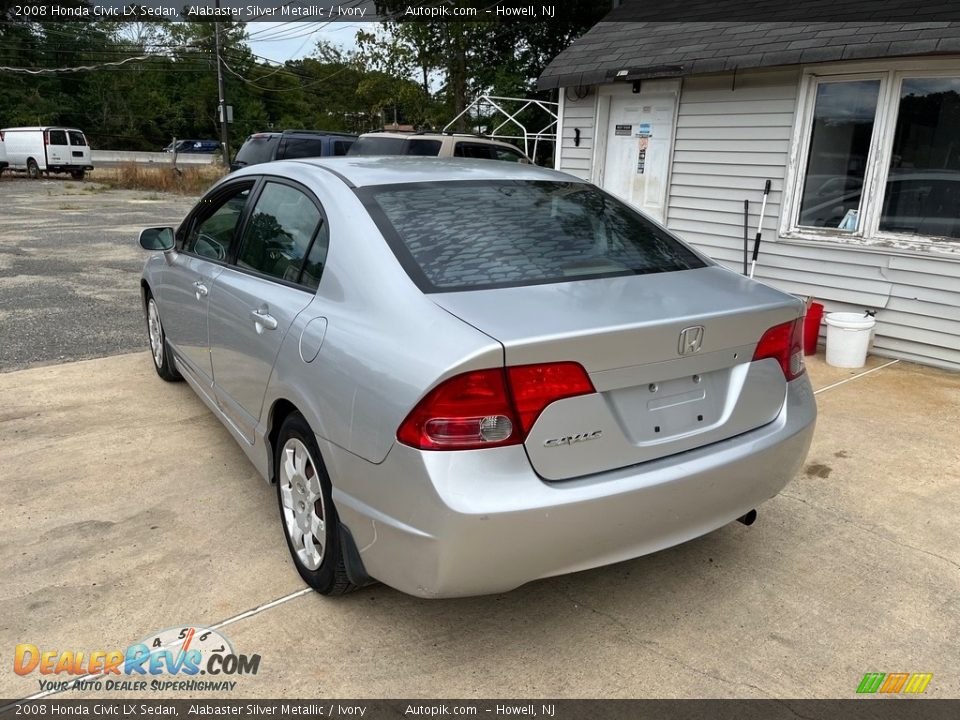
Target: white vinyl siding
{"x": 731, "y": 138}
{"x": 577, "y": 114}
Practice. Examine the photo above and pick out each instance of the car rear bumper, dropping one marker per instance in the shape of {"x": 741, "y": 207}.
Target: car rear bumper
{"x": 68, "y": 168}
{"x": 436, "y": 524}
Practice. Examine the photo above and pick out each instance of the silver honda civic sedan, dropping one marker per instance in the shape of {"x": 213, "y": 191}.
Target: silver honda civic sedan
{"x": 464, "y": 375}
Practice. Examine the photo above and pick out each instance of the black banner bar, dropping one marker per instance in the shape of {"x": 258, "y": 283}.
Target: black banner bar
{"x": 892, "y": 708}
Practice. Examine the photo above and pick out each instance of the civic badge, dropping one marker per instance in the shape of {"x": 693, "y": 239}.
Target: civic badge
{"x": 691, "y": 340}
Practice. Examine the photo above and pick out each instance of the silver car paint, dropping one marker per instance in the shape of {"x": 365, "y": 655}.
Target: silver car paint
{"x": 412, "y": 512}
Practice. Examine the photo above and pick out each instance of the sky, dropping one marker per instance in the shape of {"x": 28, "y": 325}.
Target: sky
{"x": 288, "y": 41}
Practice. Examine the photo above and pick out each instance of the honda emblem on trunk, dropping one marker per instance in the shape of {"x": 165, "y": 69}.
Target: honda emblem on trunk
{"x": 691, "y": 340}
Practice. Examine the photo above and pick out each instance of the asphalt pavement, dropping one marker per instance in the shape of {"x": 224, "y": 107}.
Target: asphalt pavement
{"x": 70, "y": 268}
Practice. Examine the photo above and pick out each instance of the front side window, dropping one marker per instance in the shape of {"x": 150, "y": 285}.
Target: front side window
{"x": 840, "y": 135}
{"x": 500, "y": 233}
{"x": 212, "y": 232}
{"x": 277, "y": 238}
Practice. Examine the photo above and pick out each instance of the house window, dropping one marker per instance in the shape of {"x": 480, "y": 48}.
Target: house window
{"x": 841, "y": 129}
{"x": 922, "y": 193}
{"x": 880, "y": 158}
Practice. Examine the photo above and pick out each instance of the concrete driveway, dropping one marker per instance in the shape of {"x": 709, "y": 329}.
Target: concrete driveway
{"x": 126, "y": 508}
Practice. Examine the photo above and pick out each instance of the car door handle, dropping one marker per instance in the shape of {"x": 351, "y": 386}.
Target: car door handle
{"x": 201, "y": 289}
{"x": 263, "y": 320}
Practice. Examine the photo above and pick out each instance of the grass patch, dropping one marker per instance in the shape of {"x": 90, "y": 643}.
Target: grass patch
{"x": 183, "y": 181}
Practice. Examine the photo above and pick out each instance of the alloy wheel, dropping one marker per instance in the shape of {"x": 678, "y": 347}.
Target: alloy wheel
{"x": 303, "y": 507}
{"x": 156, "y": 332}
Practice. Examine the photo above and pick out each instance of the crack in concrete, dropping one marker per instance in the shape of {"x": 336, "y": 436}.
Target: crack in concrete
{"x": 655, "y": 647}
{"x": 869, "y": 530}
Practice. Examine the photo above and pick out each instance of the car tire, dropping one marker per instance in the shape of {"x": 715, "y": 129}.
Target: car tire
{"x": 33, "y": 170}
{"x": 159, "y": 349}
{"x": 305, "y": 499}
{"x": 78, "y": 174}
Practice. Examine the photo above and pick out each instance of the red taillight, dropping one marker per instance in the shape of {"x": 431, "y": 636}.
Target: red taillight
{"x": 46, "y": 138}
{"x": 536, "y": 386}
{"x": 784, "y": 343}
{"x": 489, "y": 408}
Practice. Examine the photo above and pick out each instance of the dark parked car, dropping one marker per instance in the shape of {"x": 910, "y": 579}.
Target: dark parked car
{"x": 266, "y": 146}
{"x": 195, "y": 146}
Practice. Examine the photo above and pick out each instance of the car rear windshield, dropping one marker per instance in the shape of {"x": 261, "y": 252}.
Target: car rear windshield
{"x": 76, "y": 137}
{"x": 257, "y": 149}
{"x": 452, "y": 236}
{"x": 395, "y": 146}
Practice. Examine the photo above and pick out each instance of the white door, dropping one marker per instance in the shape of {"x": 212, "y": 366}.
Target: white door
{"x": 639, "y": 146}
{"x": 58, "y": 151}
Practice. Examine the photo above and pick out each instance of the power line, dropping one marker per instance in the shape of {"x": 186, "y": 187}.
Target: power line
{"x": 79, "y": 68}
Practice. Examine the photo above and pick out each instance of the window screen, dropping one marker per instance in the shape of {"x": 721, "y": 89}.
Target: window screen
{"x": 471, "y": 235}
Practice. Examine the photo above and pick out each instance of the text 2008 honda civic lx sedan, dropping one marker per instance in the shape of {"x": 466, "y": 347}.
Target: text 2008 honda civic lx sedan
{"x": 466, "y": 375}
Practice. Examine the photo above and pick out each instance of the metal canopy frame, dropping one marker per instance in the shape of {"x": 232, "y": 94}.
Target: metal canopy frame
{"x": 507, "y": 107}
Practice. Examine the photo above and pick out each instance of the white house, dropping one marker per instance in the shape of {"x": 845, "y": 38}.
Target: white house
{"x": 857, "y": 126}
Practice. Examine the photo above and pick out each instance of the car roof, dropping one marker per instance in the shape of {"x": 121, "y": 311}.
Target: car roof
{"x": 361, "y": 170}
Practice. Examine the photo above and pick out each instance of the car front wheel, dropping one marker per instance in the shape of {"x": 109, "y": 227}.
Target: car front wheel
{"x": 307, "y": 514}
{"x": 162, "y": 362}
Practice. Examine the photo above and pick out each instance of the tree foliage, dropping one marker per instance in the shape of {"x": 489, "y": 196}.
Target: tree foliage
{"x": 417, "y": 73}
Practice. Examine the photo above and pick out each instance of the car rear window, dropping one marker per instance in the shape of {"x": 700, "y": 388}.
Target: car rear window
{"x": 77, "y": 138}
{"x": 257, "y": 149}
{"x": 452, "y": 236}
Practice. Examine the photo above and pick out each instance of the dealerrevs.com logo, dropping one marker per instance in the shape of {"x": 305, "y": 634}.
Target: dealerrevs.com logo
{"x": 169, "y": 660}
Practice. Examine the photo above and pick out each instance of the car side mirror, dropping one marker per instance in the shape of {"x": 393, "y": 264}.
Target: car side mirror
{"x": 157, "y": 238}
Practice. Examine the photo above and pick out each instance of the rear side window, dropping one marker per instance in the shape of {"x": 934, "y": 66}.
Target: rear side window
{"x": 340, "y": 147}
{"x": 424, "y": 148}
{"x": 77, "y": 138}
{"x": 395, "y": 146}
{"x": 473, "y": 235}
{"x": 294, "y": 147}
{"x": 57, "y": 137}
{"x": 257, "y": 149}
{"x": 477, "y": 151}
{"x": 377, "y": 146}
{"x": 278, "y": 235}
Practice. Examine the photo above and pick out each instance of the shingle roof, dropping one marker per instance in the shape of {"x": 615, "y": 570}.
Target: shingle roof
{"x": 673, "y": 49}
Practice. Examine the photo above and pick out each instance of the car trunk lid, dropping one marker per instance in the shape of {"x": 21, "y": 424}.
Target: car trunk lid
{"x": 669, "y": 354}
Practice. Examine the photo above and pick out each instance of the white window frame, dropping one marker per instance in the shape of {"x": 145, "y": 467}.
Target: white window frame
{"x": 867, "y": 235}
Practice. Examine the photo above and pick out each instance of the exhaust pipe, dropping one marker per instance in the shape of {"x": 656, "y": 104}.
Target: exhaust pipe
{"x": 749, "y": 518}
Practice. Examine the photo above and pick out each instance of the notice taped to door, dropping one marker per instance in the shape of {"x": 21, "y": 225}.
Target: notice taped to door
{"x": 624, "y": 130}
{"x": 642, "y": 156}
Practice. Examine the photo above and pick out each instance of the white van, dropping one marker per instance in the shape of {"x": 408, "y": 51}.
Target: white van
{"x": 3, "y": 155}
{"x": 48, "y": 150}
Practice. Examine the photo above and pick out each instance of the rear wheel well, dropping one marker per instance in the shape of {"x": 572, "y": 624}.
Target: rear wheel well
{"x": 278, "y": 413}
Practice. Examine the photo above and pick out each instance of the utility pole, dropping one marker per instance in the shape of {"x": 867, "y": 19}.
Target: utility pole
{"x": 222, "y": 108}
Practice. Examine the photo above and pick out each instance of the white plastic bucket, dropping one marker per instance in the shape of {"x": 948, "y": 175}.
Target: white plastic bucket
{"x": 848, "y": 338}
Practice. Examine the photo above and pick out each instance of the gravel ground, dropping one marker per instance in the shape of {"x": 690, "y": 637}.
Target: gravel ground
{"x": 70, "y": 268}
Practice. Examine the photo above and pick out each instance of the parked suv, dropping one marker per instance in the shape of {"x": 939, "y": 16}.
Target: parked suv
{"x": 477, "y": 147}
{"x": 266, "y": 146}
